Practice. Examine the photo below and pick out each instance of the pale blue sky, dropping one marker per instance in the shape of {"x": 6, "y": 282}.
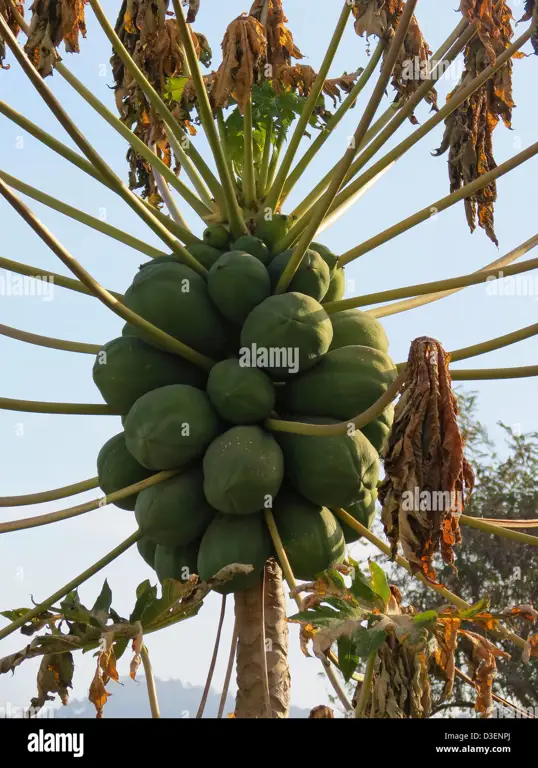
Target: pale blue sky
{"x": 39, "y": 452}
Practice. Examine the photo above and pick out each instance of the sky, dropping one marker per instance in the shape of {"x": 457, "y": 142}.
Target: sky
{"x": 39, "y": 452}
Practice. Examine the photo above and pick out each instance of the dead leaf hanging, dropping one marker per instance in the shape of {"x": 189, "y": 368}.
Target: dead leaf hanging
{"x": 531, "y": 14}
{"x": 194, "y": 7}
{"x": 483, "y": 660}
{"x": 281, "y": 48}
{"x": 428, "y": 479}
{"x": 52, "y": 22}
{"x": 55, "y": 675}
{"x": 469, "y": 129}
{"x": 244, "y": 50}
{"x": 7, "y": 13}
{"x": 380, "y": 18}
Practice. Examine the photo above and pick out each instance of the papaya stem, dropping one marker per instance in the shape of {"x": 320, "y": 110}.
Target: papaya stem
{"x": 213, "y": 663}
{"x": 274, "y": 195}
{"x": 498, "y": 343}
{"x": 37, "y": 406}
{"x": 88, "y": 150}
{"x": 172, "y": 344}
{"x": 166, "y": 195}
{"x": 497, "y": 530}
{"x": 196, "y": 178}
{"x": 404, "y": 306}
{"x": 223, "y": 135}
{"x": 322, "y": 208}
{"x": 233, "y": 211}
{"x": 57, "y": 493}
{"x": 48, "y": 341}
{"x": 266, "y": 158}
{"x": 89, "y": 506}
{"x": 440, "y": 205}
{"x": 443, "y": 591}
{"x": 334, "y": 121}
{"x": 366, "y": 686}
{"x": 292, "y": 584}
{"x": 275, "y": 158}
{"x": 463, "y": 281}
{"x": 249, "y": 179}
{"x": 150, "y": 683}
{"x": 71, "y": 585}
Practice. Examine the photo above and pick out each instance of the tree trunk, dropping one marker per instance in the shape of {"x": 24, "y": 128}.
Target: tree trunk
{"x": 249, "y": 611}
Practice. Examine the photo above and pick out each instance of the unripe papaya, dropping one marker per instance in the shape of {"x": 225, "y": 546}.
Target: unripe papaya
{"x": 217, "y": 236}
{"x": 179, "y": 563}
{"x": 254, "y": 246}
{"x": 330, "y": 258}
{"x": 117, "y": 469}
{"x": 337, "y": 286}
{"x": 353, "y": 327}
{"x": 240, "y": 394}
{"x": 238, "y": 282}
{"x": 274, "y": 229}
{"x": 364, "y": 511}
{"x": 204, "y": 253}
{"x": 146, "y": 549}
{"x": 312, "y": 278}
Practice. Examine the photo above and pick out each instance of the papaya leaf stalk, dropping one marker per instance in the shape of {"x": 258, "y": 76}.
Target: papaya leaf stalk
{"x": 418, "y": 301}
{"x": 439, "y": 205}
{"x": 365, "y": 691}
{"x": 58, "y": 493}
{"x": 172, "y": 344}
{"x": 322, "y": 208}
{"x": 150, "y": 683}
{"x": 229, "y": 670}
{"x": 88, "y": 150}
{"x": 497, "y": 530}
{"x": 71, "y": 585}
{"x": 249, "y": 180}
{"x": 263, "y": 175}
{"x": 49, "y": 341}
{"x": 38, "y": 406}
{"x": 487, "y": 374}
{"x": 497, "y": 343}
{"x": 89, "y": 506}
{"x": 214, "y": 657}
{"x": 273, "y": 198}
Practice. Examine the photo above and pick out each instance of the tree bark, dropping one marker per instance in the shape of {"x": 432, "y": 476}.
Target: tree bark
{"x": 249, "y": 610}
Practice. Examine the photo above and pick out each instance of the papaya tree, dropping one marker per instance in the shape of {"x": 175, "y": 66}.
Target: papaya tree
{"x": 256, "y": 401}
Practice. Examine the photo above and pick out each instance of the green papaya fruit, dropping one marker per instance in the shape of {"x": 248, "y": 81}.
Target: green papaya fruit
{"x": 179, "y": 563}
{"x": 332, "y": 470}
{"x": 117, "y": 469}
{"x": 346, "y": 382}
{"x": 175, "y": 299}
{"x": 285, "y": 334}
{"x": 311, "y": 535}
{"x": 254, "y": 246}
{"x": 203, "y": 253}
{"x": 175, "y": 512}
{"x": 352, "y": 327}
{"x": 330, "y": 258}
{"x": 237, "y": 282}
{"x": 243, "y": 469}
{"x": 146, "y": 549}
{"x": 337, "y": 286}
{"x": 239, "y": 394}
{"x": 167, "y": 258}
{"x": 378, "y": 430}
{"x": 364, "y": 511}
{"x": 217, "y": 236}
{"x": 312, "y": 278}
{"x": 274, "y": 229}
{"x": 126, "y": 368}
{"x": 231, "y": 539}
{"x": 169, "y": 427}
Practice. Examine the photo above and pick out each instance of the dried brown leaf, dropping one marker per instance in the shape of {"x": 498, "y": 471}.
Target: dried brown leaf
{"x": 427, "y": 478}
{"x": 55, "y": 675}
{"x": 7, "y": 13}
{"x": 321, "y": 713}
{"x": 531, "y": 14}
{"x": 194, "y": 7}
{"x": 137, "y": 644}
{"x": 244, "y": 50}
{"x": 483, "y": 662}
{"x": 281, "y": 48}
{"x": 52, "y": 22}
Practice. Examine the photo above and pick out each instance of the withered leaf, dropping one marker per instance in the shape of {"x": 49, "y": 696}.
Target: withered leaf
{"x": 531, "y": 14}
{"x": 52, "y": 22}
{"x": 381, "y": 18}
{"x": 427, "y": 478}
{"x": 281, "y": 48}
{"x": 469, "y": 129}
{"x": 7, "y": 12}
{"x": 194, "y": 7}
{"x": 244, "y": 50}
{"x": 138, "y": 642}
{"x": 483, "y": 661}
{"x": 321, "y": 713}
{"x": 55, "y": 675}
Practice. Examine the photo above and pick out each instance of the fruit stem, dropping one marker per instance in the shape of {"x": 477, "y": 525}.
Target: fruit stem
{"x": 97, "y": 290}
{"x": 334, "y": 121}
{"x": 84, "y": 165}
{"x": 274, "y": 195}
{"x": 485, "y": 275}
{"x": 150, "y": 682}
{"x": 249, "y": 178}
{"x": 233, "y": 211}
{"x": 443, "y": 591}
{"x": 404, "y": 306}
{"x": 71, "y": 585}
{"x": 322, "y": 208}
{"x": 89, "y": 506}
{"x": 440, "y": 205}
{"x": 49, "y": 341}
{"x": 366, "y": 686}
{"x": 57, "y": 493}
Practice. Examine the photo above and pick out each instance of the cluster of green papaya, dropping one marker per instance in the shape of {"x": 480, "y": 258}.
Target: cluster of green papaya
{"x": 277, "y": 356}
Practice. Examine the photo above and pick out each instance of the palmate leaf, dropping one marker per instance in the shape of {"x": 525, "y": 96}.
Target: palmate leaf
{"x": 379, "y": 582}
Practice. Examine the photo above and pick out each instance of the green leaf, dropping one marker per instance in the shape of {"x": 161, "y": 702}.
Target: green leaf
{"x": 427, "y": 617}
{"x": 174, "y": 88}
{"x": 366, "y": 641}
{"x": 380, "y": 584}
{"x": 348, "y": 658}
{"x": 156, "y": 610}
{"x": 361, "y": 587}
{"x": 346, "y": 609}
{"x": 146, "y": 594}
{"x": 321, "y": 617}
{"x": 73, "y": 610}
{"x": 102, "y": 605}
{"x": 481, "y": 605}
